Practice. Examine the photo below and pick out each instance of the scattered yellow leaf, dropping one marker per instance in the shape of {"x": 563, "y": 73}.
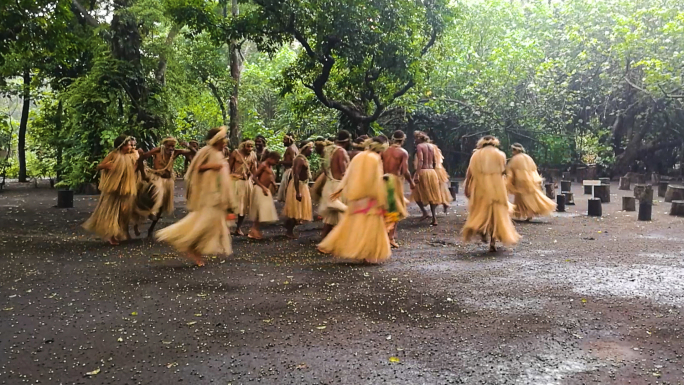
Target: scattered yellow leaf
{"x": 394, "y": 359}
{"x": 135, "y": 313}
{"x": 171, "y": 365}
{"x": 198, "y": 315}
{"x": 191, "y": 323}
{"x": 94, "y": 372}
{"x": 166, "y": 342}
{"x": 584, "y": 300}
{"x": 320, "y": 327}
{"x": 120, "y": 339}
{"x": 301, "y": 366}
{"x": 8, "y": 308}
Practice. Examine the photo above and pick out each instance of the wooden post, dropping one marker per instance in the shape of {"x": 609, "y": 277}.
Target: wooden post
{"x": 566, "y": 185}
{"x": 638, "y": 190}
{"x": 628, "y": 204}
{"x": 550, "y": 190}
{"x": 560, "y": 203}
{"x": 594, "y": 208}
{"x": 662, "y": 188}
{"x": 602, "y": 192}
{"x": 677, "y": 208}
{"x": 588, "y": 189}
{"x": 65, "y": 199}
{"x": 569, "y": 198}
{"x": 624, "y": 183}
{"x": 674, "y": 193}
{"x": 454, "y": 188}
{"x": 645, "y": 210}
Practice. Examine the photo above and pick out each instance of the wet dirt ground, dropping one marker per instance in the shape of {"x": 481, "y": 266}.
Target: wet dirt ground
{"x": 579, "y": 301}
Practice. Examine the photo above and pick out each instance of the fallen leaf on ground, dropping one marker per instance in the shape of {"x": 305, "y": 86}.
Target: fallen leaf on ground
{"x": 394, "y": 359}
{"x": 191, "y": 323}
{"x": 320, "y": 327}
{"x": 94, "y": 372}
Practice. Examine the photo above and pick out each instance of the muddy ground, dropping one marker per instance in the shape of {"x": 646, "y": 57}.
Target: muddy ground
{"x": 579, "y": 301}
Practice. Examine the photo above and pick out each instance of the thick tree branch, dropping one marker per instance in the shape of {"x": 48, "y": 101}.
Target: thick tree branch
{"x": 84, "y": 13}
{"x": 160, "y": 73}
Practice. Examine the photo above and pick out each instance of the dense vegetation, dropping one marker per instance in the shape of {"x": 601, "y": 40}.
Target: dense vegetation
{"x": 575, "y": 81}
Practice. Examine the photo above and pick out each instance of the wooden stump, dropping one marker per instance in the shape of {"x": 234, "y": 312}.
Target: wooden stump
{"x": 628, "y": 204}
{"x": 605, "y": 181}
{"x": 677, "y": 208}
{"x": 638, "y": 189}
{"x": 602, "y": 192}
{"x": 65, "y": 199}
{"x": 644, "y": 195}
{"x": 587, "y": 190}
{"x": 624, "y": 183}
{"x": 674, "y": 193}
{"x": 594, "y": 209}
{"x": 560, "y": 203}
{"x": 569, "y": 198}
{"x": 645, "y": 210}
{"x": 550, "y": 190}
{"x": 566, "y": 185}
{"x": 662, "y": 188}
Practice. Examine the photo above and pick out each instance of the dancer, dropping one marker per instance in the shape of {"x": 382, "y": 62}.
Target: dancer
{"x": 194, "y": 146}
{"x": 358, "y": 146}
{"x": 320, "y": 147}
{"x": 298, "y": 201}
{"x": 524, "y": 182}
{"x": 443, "y": 177}
{"x": 111, "y": 217}
{"x": 291, "y": 152}
{"x": 210, "y": 197}
{"x": 425, "y": 177}
{"x": 260, "y": 148}
{"x": 263, "y": 208}
{"x": 242, "y": 165}
{"x": 488, "y": 207}
{"x": 334, "y": 166}
{"x": 395, "y": 165}
{"x": 361, "y": 234}
{"x": 161, "y": 184}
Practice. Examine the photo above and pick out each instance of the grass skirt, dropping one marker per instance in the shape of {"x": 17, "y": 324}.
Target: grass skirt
{"x": 330, "y": 210}
{"x": 359, "y": 237}
{"x": 427, "y": 189}
{"x": 262, "y": 208}
{"x": 294, "y": 209}
{"x": 284, "y": 183}
{"x": 111, "y": 216}
{"x": 243, "y": 195}
{"x": 205, "y": 231}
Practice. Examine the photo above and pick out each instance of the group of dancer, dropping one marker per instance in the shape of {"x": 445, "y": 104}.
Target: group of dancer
{"x": 359, "y": 190}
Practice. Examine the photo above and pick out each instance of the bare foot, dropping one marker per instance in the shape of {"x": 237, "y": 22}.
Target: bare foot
{"x": 112, "y": 241}
{"x": 446, "y": 209}
{"x": 424, "y": 217}
{"x": 254, "y": 234}
{"x": 150, "y": 235}
{"x": 394, "y": 244}
{"x": 197, "y": 259}
{"x": 238, "y": 233}
{"x": 434, "y": 222}
{"x": 136, "y": 230}
{"x": 492, "y": 246}
{"x": 528, "y": 219}
{"x": 291, "y": 235}
{"x": 484, "y": 238}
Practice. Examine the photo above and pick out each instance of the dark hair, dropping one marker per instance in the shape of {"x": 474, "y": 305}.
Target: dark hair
{"x": 245, "y": 139}
{"x": 488, "y": 137}
{"x": 273, "y": 155}
{"x": 399, "y": 134}
{"x": 260, "y": 137}
{"x": 331, "y": 138}
{"x": 304, "y": 143}
{"x": 212, "y": 133}
{"x": 380, "y": 139}
{"x": 343, "y": 136}
{"x": 320, "y": 139}
{"x": 120, "y": 141}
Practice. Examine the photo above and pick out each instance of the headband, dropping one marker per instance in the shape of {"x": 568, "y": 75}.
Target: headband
{"x": 308, "y": 145}
{"x": 488, "y": 142}
{"x": 170, "y": 139}
{"x": 289, "y": 137}
{"x": 518, "y": 147}
{"x": 246, "y": 142}
{"x": 219, "y": 136}
{"x": 128, "y": 139}
{"x": 377, "y": 147}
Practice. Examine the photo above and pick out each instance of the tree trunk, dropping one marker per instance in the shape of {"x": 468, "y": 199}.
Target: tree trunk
{"x": 21, "y": 146}
{"x": 235, "y": 69}
{"x": 58, "y": 128}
